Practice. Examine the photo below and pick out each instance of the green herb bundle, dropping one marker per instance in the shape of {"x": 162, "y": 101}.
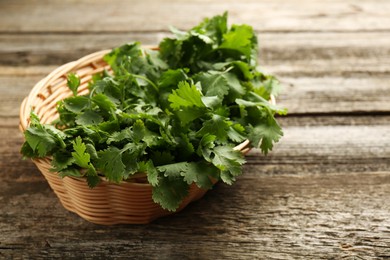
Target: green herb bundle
{"x": 174, "y": 113}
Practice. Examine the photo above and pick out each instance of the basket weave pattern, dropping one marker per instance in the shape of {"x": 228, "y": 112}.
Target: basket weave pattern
{"x": 129, "y": 202}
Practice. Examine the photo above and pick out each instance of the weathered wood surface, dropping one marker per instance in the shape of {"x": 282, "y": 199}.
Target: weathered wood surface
{"x": 323, "y": 193}
{"x": 150, "y": 15}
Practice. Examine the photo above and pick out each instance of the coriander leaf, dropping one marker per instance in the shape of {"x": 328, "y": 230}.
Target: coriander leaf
{"x": 205, "y": 146}
{"x": 118, "y": 56}
{"x": 272, "y": 86}
{"x": 180, "y": 35}
{"x": 61, "y": 160}
{"x": 57, "y": 134}
{"x": 131, "y": 163}
{"x": 211, "y": 102}
{"x": 214, "y": 27}
{"x": 236, "y": 133}
{"x": 40, "y": 141}
{"x": 27, "y": 151}
{"x": 240, "y": 38}
{"x": 73, "y": 82}
{"x": 236, "y": 89}
{"x": 200, "y": 173}
{"x": 213, "y": 83}
{"x": 170, "y": 78}
{"x": 120, "y": 136}
{"x": 139, "y": 131}
{"x": 70, "y": 172}
{"x": 170, "y": 192}
{"x": 227, "y": 177}
{"x": 173, "y": 170}
{"x": 171, "y": 51}
{"x": 92, "y": 178}
{"x": 152, "y": 173}
{"x": 217, "y": 126}
{"x": 260, "y": 103}
{"x": 187, "y": 115}
{"x": 241, "y": 69}
{"x": 162, "y": 157}
{"x": 185, "y": 147}
{"x": 76, "y": 104}
{"x": 81, "y": 158}
{"x": 110, "y": 163}
{"x": 90, "y": 148}
{"x": 229, "y": 161}
{"x": 104, "y": 103}
{"x": 264, "y": 135}
{"x": 89, "y": 117}
{"x": 34, "y": 119}
{"x": 185, "y": 96}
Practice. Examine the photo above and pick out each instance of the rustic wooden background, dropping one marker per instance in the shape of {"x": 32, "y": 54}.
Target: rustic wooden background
{"x": 323, "y": 193}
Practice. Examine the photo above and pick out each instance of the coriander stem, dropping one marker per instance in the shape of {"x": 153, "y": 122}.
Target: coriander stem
{"x": 228, "y": 69}
{"x": 146, "y": 79}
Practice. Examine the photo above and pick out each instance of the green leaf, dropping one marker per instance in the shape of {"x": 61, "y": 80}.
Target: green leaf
{"x": 152, "y": 173}
{"x": 162, "y": 157}
{"x": 90, "y": 148}
{"x": 170, "y": 192}
{"x": 170, "y": 78}
{"x": 40, "y": 140}
{"x": 236, "y": 133}
{"x": 205, "y": 146}
{"x": 229, "y": 161}
{"x": 110, "y": 163}
{"x": 139, "y": 131}
{"x": 173, "y": 170}
{"x": 76, "y": 104}
{"x": 185, "y": 96}
{"x": 213, "y": 83}
{"x": 187, "y": 115}
{"x": 184, "y": 147}
{"x": 240, "y": 38}
{"x": 89, "y": 117}
{"x": 92, "y": 178}
{"x": 61, "y": 160}
{"x": 211, "y": 102}
{"x": 264, "y": 135}
{"x": 200, "y": 173}
{"x": 70, "y": 172}
{"x": 214, "y": 27}
{"x": 27, "y": 151}
{"x": 81, "y": 158}
{"x": 217, "y": 126}
{"x": 120, "y": 136}
{"x": 73, "y": 82}
{"x": 104, "y": 103}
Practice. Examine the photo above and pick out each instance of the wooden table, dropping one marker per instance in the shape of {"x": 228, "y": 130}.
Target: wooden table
{"x": 323, "y": 193}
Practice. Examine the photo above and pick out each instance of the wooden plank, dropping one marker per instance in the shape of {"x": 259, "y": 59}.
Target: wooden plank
{"x": 149, "y": 15}
{"x": 335, "y": 94}
{"x": 274, "y": 217}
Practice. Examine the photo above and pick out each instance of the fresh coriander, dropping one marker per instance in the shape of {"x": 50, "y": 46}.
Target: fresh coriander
{"x": 174, "y": 113}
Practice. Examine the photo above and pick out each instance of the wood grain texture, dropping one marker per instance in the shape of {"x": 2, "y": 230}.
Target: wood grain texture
{"x": 322, "y": 193}
{"x": 338, "y": 216}
{"x": 151, "y": 15}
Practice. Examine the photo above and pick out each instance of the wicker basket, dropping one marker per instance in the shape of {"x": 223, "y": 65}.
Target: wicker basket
{"x": 129, "y": 202}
